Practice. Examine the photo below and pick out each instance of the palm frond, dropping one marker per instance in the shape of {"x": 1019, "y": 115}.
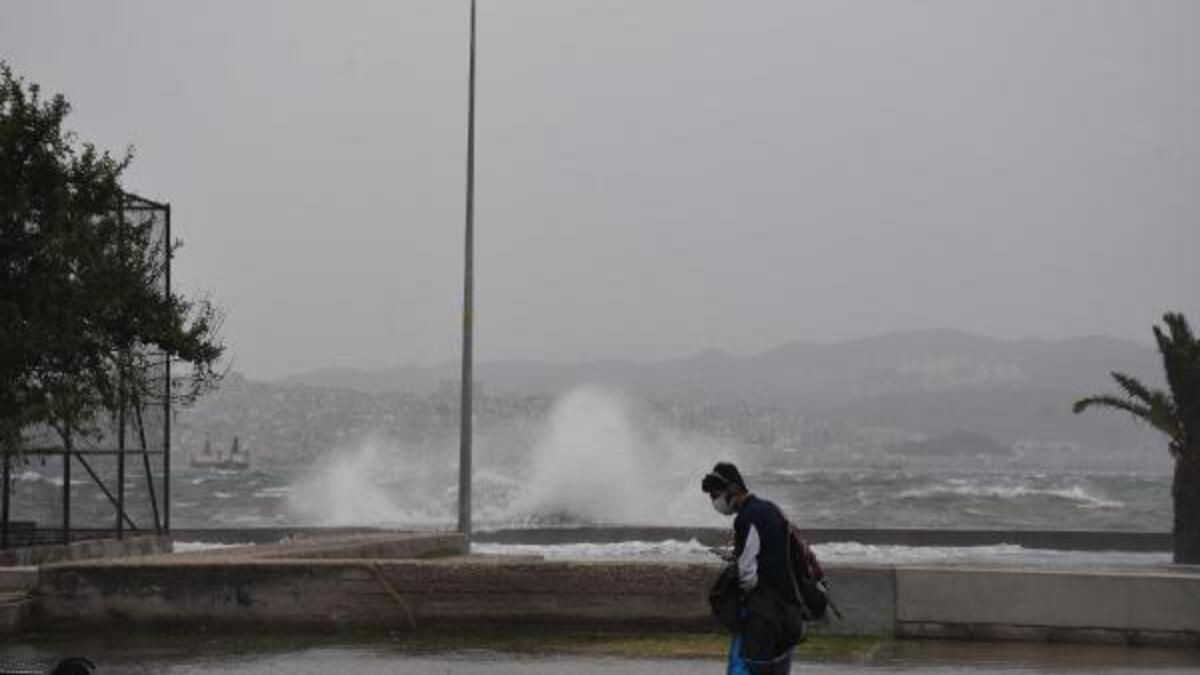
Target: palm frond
{"x": 1181, "y": 333}
{"x": 1164, "y": 416}
{"x": 1161, "y": 412}
{"x": 1158, "y": 414}
{"x": 1106, "y": 401}
{"x": 1181, "y": 362}
{"x": 1134, "y": 388}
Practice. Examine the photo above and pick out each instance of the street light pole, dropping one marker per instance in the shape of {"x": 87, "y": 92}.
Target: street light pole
{"x": 464, "y": 410}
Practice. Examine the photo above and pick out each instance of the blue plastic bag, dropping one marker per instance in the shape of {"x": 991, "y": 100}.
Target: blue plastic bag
{"x": 736, "y": 665}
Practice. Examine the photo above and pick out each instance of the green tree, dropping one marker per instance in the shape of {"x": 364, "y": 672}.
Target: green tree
{"x": 1176, "y": 413}
{"x": 82, "y": 303}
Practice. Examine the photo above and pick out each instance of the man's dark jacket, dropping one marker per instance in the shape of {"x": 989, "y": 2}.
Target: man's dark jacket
{"x": 770, "y": 614}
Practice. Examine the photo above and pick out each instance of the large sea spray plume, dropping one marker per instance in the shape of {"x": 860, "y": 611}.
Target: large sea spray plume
{"x": 595, "y": 458}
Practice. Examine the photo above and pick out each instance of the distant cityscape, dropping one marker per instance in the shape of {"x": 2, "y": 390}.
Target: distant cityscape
{"x": 914, "y": 407}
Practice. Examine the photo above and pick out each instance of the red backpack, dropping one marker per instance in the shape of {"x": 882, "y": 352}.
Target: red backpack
{"x": 812, "y": 589}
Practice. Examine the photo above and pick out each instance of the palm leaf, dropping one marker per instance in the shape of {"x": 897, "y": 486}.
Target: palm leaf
{"x": 1180, "y": 352}
{"x": 1134, "y": 388}
{"x": 1106, "y": 401}
{"x": 1181, "y": 361}
{"x": 1158, "y": 413}
{"x": 1161, "y": 412}
{"x": 1181, "y": 333}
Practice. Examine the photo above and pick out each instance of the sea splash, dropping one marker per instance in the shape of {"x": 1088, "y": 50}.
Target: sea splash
{"x": 359, "y": 487}
{"x": 594, "y": 461}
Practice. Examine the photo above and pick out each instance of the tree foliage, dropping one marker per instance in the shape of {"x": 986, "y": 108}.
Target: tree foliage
{"x": 1176, "y": 412}
{"x": 83, "y": 310}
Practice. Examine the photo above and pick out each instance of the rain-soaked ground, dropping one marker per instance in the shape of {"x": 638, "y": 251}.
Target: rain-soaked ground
{"x": 297, "y": 656}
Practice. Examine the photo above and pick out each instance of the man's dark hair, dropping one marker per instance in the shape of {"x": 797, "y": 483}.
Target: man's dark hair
{"x": 723, "y": 477}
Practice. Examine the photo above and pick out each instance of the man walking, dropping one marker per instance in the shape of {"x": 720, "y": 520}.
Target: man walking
{"x": 771, "y": 622}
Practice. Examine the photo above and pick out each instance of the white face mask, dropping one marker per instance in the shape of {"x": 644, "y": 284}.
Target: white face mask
{"x": 723, "y": 505}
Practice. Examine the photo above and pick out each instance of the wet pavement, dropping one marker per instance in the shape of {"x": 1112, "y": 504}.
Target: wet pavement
{"x": 209, "y": 657}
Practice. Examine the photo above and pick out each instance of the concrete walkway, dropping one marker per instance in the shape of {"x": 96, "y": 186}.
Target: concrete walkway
{"x": 940, "y": 658}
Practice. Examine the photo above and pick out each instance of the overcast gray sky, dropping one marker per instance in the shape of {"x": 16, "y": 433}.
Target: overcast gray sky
{"x": 655, "y": 177}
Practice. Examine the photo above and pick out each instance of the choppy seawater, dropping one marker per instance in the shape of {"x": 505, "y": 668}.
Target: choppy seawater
{"x": 847, "y": 498}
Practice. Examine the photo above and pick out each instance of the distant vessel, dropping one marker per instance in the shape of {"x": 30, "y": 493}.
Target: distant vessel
{"x": 209, "y": 458}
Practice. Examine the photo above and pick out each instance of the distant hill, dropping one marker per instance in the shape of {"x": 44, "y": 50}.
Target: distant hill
{"x": 804, "y": 373}
{"x": 929, "y": 382}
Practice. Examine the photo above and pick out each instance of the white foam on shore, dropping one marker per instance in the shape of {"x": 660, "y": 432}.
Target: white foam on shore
{"x": 997, "y": 554}
{"x": 957, "y": 487}
{"x": 669, "y": 550}
{"x": 846, "y": 553}
{"x": 194, "y": 546}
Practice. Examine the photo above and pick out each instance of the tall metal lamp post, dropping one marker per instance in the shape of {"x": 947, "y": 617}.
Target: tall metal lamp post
{"x": 464, "y": 410}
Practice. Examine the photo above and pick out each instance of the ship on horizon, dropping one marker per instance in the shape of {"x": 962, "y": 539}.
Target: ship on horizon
{"x": 235, "y": 459}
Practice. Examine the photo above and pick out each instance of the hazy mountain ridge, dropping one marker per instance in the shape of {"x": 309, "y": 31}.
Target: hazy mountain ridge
{"x": 801, "y": 375}
{"x": 872, "y": 391}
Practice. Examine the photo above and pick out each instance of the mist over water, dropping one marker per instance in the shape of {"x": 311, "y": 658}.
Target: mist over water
{"x": 593, "y": 460}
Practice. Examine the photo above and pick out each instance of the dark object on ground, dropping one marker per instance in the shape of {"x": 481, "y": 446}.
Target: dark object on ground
{"x": 72, "y": 665}
{"x": 725, "y": 599}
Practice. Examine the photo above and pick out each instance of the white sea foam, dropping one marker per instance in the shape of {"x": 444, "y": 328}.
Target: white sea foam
{"x": 844, "y": 553}
{"x": 669, "y": 550}
{"x": 273, "y": 492}
{"x": 194, "y": 546}
{"x": 958, "y": 487}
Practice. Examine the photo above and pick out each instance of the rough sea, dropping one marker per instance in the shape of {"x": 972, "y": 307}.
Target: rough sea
{"x": 359, "y": 494}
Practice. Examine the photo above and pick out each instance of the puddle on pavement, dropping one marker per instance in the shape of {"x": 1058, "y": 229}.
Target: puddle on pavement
{"x": 211, "y": 656}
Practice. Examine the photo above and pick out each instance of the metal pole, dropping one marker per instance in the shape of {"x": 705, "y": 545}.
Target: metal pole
{"x": 66, "y": 496}
{"x": 87, "y": 466}
{"x": 121, "y": 460}
{"x": 141, "y": 427}
{"x": 464, "y": 410}
{"x": 166, "y": 510}
{"x": 120, "y": 406}
{"x": 4, "y": 517}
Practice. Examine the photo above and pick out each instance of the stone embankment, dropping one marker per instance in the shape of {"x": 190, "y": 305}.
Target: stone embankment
{"x": 403, "y": 582}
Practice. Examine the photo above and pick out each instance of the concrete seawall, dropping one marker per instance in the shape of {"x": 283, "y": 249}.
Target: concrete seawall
{"x": 84, "y": 550}
{"x": 1116, "y": 607}
{"x": 361, "y": 582}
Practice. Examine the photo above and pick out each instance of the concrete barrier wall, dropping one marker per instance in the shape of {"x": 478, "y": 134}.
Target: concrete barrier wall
{"x": 85, "y": 550}
{"x": 1120, "y": 607}
{"x": 1124, "y": 607}
{"x": 373, "y": 593}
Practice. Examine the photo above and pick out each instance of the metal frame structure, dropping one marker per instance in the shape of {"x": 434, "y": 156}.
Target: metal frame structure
{"x": 24, "y": 533}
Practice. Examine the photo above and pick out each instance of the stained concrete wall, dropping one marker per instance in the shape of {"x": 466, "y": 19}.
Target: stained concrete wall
{"x": 85, "y": 550}
{"x": 227, "y": 589}
{"x": 1123, "y": 607}
{"x": 332, "y": 593}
